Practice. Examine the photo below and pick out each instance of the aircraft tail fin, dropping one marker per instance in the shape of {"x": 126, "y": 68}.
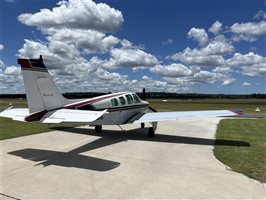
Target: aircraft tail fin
{"x": 41, "y": 91}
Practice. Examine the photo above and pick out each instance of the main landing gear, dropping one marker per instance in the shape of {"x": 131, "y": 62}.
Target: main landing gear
{"x": 151, "y": 130}
{"x": 98, "y": 129}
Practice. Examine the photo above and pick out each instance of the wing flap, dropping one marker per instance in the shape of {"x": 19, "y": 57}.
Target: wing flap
{"x": 69, "y": 115}
{"x": 165, "y": 116}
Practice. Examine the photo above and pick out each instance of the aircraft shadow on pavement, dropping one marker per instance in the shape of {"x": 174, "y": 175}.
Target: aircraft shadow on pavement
{"x": 65, "y": 159}
{"x": 74, "y": 158}
{"x": 112, "y": 137}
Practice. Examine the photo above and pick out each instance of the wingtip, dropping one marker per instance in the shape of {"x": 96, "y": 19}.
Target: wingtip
{"x": 238, "y": 112}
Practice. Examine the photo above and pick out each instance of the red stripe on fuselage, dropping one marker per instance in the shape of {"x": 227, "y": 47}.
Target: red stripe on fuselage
{"x": 35, "y": 116}
{"x": 126, "y": 108}
{"x": 91, "y": 101}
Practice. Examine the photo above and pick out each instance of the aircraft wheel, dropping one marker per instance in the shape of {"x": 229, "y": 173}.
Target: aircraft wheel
{"x": 98, "y": 129}
{"x": 142, "y": 125}
{"x": 151, "y": 132}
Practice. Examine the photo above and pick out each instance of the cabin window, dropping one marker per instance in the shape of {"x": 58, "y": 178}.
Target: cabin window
{"x": 136, "y": 98}
{"x": 122, "y": 100}
{"x": 114, "y": 102}
{"x": 129, "y": 99}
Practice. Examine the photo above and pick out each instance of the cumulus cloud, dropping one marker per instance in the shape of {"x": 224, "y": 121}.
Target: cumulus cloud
{"x": 199, "y": 34}
{"x": 246, "y": 59}
{"x": 1, "y": 47}
{"x": 91, "y": 41}
{"x": 252, "y": 64}
{"x": 223, "y": 70}
{"x": 260, "y": 15}
{"x": 250, "y": 28}
{"x": 255, "y": 70}
{"x": 246, "y": 84}
{"x": 131, "y": 58}
{"x": 168, "y": 41}
{"x": 81, "y": 52}
{"x": 2, "y": 64}
{"x": 168, "y": 85}
{"x": 77, "y": 14}
{"x": 10, "y": 79}
{"x": 228, "y": 81}
{"x": 210, "y": 55}
{"x": 12, "y": 70}
{"x": 173, "y": 70}
{"x": 72, "y": 72}
{"x": 248, "y": 31}
{"x": 216, "y": 27}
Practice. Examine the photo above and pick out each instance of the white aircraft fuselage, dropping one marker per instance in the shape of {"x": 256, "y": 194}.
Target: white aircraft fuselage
{"x": 121, "y": 107}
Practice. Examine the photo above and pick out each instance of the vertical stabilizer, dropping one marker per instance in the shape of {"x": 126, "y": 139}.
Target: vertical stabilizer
{"x": 41, "y": 91}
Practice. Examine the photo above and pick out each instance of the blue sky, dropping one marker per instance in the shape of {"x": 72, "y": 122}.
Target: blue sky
{"x": 172, "y": 46}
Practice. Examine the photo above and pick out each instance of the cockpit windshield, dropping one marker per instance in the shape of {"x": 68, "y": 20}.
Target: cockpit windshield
{"x": 136, "y": 98}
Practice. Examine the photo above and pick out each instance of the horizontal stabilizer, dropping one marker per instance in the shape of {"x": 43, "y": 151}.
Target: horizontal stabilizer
{"x": 17, "y": 114}
{"x": 69, "y": 115}
{"x": 56, "y": 116}
{"x": 165, "y": 116}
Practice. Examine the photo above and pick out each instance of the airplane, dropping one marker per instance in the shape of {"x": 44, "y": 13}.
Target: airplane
{"x": 47, "y": 105}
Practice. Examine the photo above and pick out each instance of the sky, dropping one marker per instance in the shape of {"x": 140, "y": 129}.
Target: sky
{"x": 182, "y": 46}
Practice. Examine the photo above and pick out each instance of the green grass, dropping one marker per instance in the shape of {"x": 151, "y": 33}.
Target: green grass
{"x": 19, "y": 103}
{"x": 251, "y": 160}
{"x": 246, "y": 105}
{"x": 11, "y": 129}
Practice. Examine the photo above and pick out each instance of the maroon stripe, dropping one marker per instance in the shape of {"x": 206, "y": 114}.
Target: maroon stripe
{"x": 24, "y": 63}
{"x": 35, "y": 116}
{"x": 126, "y": 108}
{"x": 73, "y": 106}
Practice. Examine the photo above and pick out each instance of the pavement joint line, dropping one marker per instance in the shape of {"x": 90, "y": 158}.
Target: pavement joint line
{"x": 8, "y": 196}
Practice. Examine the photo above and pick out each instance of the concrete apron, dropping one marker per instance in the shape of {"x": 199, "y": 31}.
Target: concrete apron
{"x": 80, "y": 164}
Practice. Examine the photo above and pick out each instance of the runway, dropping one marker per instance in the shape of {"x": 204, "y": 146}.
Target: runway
{"x": 178, "y": 163}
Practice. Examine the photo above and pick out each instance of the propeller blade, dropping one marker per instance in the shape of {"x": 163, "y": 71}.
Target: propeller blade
{"x": 143, "y": 94}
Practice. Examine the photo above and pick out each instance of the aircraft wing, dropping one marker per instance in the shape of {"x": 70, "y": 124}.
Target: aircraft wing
{"x": 69, "y": 115}
{"x": 165, "y": 116}
{"x": 56, "y": 116}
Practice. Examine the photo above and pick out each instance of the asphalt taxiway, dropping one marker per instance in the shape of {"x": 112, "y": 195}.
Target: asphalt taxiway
{"x": 80, "y": 164}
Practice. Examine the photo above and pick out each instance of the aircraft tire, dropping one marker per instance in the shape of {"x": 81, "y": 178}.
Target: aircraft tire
{"x": 142, "y": 125}
{"x": 151, "y": 132}
{"x": 98, "y": 129}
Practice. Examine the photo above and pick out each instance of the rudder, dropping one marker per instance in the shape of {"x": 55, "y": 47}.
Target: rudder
{"x": 41, "y": 91}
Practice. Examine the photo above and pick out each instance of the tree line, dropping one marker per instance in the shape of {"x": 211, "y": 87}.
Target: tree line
{"x": 156, "y": 95}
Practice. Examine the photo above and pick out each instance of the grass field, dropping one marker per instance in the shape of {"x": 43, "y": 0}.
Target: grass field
{"x": 246, "y": 105}
{"x": 251, "y": 160}
{"x": 11, "y": 129}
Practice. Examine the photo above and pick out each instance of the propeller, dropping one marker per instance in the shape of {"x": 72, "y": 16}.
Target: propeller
{"x": 143, "y": 94}
{"x": 144, "y": 99}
